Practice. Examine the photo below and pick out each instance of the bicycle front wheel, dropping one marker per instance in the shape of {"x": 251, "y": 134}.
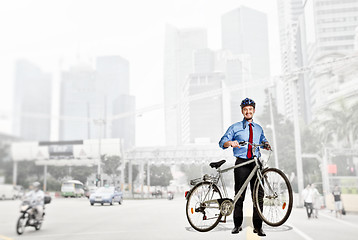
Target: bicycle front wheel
{"x": 274, "y": 200}
{"x": 202, "y": 210}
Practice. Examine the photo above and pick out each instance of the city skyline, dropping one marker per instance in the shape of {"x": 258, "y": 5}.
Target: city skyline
{"x": 57, "y": 57}
{"x": 147, "y": 88}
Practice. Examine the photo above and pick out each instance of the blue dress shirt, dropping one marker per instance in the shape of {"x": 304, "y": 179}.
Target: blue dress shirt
{"x": 240, "y": 131}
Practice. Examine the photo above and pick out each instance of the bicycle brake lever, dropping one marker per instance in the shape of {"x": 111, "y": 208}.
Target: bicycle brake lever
{"x": 242, "y": 143}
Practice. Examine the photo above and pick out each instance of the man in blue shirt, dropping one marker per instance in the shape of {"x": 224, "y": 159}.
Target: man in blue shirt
{"x": 248, "y": 131}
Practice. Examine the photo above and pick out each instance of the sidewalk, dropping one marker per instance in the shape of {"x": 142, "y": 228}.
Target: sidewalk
{"x": 351, "y": 218}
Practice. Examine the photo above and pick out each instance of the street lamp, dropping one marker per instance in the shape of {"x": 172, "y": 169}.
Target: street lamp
{"x": 99, "y": 122}
{"x": 273, "y": 125}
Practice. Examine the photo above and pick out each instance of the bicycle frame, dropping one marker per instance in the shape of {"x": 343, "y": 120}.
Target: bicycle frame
{"x": 243, "y": 187}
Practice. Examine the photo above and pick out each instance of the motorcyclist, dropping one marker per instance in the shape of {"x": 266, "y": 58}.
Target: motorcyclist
{"x": 36, "y": 197}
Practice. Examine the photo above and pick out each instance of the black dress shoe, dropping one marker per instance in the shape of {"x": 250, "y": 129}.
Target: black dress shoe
{"x": 236, "y": 230}
{"x": 260, "y": 232}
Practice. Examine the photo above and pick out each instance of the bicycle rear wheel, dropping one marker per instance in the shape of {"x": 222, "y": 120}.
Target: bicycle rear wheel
{"x": 202, "y": 215}
{"x": 274, "y": 201}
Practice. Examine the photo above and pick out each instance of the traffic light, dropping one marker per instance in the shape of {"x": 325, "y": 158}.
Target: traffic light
{"x": 98, "y": 177}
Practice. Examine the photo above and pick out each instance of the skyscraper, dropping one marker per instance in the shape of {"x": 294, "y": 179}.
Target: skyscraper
{"x": 202, "y": 115}
{"x": 112, "y": 82}
{"x": 205, "y": 114}
{"x": 80, "y": 103}
{"x": 245, "y": 36}
{"x": 123, "y": 124}
{"x": 291, "y": 26}
{"x": 245, "y": 32}
{"x": 97, "y": 93}
{"x": 180, "y": 45}
{"x": 330, "y": 28}
{"x": 32, "y": 102}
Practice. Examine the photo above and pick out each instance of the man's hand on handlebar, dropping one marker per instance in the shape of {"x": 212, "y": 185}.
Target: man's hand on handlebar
{"x": 267, "y": 146}
{"x": 234, "y": 144}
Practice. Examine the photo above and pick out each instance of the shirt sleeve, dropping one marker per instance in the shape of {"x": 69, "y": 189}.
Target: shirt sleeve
{"x": 228, "y": 136}
{"x": 262, "y": 137}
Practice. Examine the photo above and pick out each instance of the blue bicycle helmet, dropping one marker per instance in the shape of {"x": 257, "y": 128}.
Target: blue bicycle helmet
{"x": 247, "y": 102}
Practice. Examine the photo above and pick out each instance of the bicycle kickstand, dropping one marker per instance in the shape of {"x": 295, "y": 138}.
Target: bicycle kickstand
{"x": 223, "y": 221}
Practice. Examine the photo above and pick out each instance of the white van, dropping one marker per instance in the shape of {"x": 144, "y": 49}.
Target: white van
{"x": 8, "y": 191}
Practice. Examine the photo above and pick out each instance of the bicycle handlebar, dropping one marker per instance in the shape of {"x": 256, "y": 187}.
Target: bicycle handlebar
{"x": 264, "y": 145}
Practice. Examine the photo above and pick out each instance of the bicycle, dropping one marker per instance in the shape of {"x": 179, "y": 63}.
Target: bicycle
{"x": 207, "y": 204}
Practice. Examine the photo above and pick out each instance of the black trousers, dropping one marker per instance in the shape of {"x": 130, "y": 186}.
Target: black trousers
{"x": 240, "y": 176}
{"x": 309, "y": 209}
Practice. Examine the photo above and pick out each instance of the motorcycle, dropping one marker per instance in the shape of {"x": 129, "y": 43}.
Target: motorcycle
{"x": 170, "y": 196}
{"x": 28, "y": 216}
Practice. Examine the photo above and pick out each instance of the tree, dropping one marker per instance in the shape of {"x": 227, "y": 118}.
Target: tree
{"x": 284, "y": 137}
{"x": 286, "y": 144}
{"x": 111, "y": 166}
{"x": 160, "y": 175}
{"x": 337, "y": 124}
{"x": 61, "y": 173}
{"x": 4, "y": 159}
{"x": 193, "y": 171}
{"x": 82, "y": 172}
{"x": 135, "y": 172}
{"x": 337, "y": 127}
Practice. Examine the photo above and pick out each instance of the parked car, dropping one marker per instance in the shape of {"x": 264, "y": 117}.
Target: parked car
{"x": 19, "y": 191}
{"x": 157, "y": 193}
{"x": 8, "y": 191}
{"x": 89, "y": 190}
{"x": 106, "y": 195}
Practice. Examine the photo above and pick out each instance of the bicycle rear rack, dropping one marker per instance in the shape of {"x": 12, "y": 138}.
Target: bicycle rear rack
{"x": 205, "y": 178}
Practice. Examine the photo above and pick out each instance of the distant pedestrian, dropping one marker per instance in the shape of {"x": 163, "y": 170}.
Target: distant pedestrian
{"x": 308, "y": 200}
{"x": 316, "y": 197}
{"x": 337, "y": 201}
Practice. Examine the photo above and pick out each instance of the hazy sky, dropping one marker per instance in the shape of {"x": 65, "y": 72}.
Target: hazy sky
{"x": 50, "y": 32}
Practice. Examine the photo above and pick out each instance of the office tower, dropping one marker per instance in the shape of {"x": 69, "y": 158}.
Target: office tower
{"x": 330, "y": 30}
{"x": 123, "y": 124}
{"x": 112, "y": 75}
{"x": 292, "y": 58}
{"x": 245, "y": 36}
{"x": 180, "y": 45}
{"x": 203, "y": 61}
{"x": 91, "y": 97}
{"x": 203, "y": 114}
{"x": 112, "y": 81}
{"x": 237, "y": 70}
{"x": 80, "y": 104}
{"x": 32, "y": 102}
{"x": 245, "y": 32}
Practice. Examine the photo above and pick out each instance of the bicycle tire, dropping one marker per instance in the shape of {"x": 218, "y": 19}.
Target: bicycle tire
{"x": 202, "y": 217}
{"x": 274, "y": 206}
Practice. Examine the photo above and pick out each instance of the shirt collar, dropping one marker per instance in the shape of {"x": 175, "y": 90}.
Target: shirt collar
{"x": 245, "y": 123}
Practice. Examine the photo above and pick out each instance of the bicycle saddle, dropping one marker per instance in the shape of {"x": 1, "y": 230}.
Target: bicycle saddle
{"x": 217, "y": 164}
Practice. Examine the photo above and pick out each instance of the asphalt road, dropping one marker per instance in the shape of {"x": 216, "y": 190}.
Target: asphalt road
{"x": 160, "y": 219}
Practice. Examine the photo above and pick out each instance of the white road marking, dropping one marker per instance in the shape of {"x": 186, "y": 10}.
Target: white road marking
{"x": 299, "y": 232}
{"x": 339, "y": 220}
